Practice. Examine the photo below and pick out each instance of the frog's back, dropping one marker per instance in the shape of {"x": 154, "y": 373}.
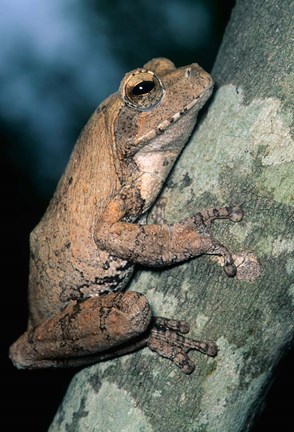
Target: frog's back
{"x": 66, "y": 264}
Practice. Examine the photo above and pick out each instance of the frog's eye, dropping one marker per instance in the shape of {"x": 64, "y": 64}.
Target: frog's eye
{"x": 142, "y": 90}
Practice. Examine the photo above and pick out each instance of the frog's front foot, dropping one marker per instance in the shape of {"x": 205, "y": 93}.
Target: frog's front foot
{"x": 166, "y": 340}
{"x": 203, "y": 221}
{"x": 233, "y": 213}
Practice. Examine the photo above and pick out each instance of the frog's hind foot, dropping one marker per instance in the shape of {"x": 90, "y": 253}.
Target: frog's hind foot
{"x": 166, "y": 340}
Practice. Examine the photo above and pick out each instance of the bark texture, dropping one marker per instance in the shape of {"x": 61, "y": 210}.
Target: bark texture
{"x": 242, "y": 152}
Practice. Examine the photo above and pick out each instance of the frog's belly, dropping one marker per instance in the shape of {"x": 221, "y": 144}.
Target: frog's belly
{"x": 59, "y": 280}
{"x": 99, "y": 276}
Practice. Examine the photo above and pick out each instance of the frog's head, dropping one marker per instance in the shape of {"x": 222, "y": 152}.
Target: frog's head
{"x": 159, "y": 100}
{"x": 158, "y": 107}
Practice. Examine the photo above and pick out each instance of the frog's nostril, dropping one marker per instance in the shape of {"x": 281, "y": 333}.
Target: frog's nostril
{"x": 188, "y": 72}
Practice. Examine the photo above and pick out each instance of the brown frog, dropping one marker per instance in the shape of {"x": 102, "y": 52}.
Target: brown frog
{"x": 84, "y": 249}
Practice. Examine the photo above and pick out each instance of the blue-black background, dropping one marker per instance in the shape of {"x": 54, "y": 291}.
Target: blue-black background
{"x": 58, "y": 61}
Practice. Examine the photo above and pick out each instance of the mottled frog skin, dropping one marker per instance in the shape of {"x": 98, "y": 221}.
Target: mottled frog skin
{"x": 84, "y": 249}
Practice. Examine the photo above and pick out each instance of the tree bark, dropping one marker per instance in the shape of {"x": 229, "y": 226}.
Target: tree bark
{"x": 241, "y": 152}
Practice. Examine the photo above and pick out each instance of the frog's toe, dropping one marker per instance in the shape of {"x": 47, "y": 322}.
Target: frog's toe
{"x": 168, "y": 343}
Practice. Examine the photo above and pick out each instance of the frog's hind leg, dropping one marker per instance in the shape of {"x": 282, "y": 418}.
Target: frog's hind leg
{"x": 165, "y": 337}
{"x": 102, "y": 328}
{"x": 83, "y": 330}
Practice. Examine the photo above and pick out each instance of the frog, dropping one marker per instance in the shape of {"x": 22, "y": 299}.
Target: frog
{"x": 94, "y": 232}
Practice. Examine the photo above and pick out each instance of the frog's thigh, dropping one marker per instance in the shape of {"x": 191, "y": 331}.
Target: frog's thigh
{"x": 92, "y": 326}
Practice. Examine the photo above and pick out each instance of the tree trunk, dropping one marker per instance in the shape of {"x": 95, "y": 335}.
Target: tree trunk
{"x": 242, "y": 152}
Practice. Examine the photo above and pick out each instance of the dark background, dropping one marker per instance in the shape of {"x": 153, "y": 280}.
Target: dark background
{"x": 58, "y": 61}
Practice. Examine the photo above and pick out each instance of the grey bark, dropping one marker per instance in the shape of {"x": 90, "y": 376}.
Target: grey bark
{"x": 242, "y": 152}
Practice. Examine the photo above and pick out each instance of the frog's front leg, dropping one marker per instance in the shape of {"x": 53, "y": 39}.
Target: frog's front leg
{"x": 82, "y": 330}
{"x": 157, "y": 245}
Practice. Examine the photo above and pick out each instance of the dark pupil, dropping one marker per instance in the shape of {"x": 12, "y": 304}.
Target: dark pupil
{"x": 143, "y": 88}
